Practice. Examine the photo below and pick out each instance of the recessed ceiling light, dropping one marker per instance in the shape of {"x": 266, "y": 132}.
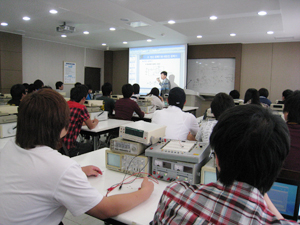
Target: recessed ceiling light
{"x": 262, "y": 13}
{"x": 213, "y": 17}
{"x": 171, "y": 22}
{"x": 26, "y": 18}
{"x": 199, "y": 36}
{"x": 86, "y": 32}
{"x": 63, "y": 35}
{"x": 125, "y": 42}
{"x": 112, "y": 28}
{"x": 104, "y": 44}
{"x": 53, "y": 11}
{"x": 4, "y": 24}
{"x": 232, "y": 34}
{"x": 270, "y": 32}
{"x": 149, "y": 40}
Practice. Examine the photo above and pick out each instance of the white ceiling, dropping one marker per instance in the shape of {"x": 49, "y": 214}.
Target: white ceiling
{"x": 191, "y": 16}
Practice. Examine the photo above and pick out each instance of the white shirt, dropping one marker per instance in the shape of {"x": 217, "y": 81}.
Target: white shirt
{"x": 39, "y": 185}
{"x": 157, "y": 102}
{"x": 205, "y": 130}
{"x": 178, "y": 123}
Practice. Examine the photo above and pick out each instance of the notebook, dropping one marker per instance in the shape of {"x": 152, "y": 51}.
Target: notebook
{"x": 285, "y": 196}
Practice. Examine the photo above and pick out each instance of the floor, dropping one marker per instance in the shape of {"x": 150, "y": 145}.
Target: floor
{"x": 84, "y": 219}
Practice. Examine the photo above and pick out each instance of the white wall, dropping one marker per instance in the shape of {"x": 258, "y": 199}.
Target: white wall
{"x": 44, "y": 60}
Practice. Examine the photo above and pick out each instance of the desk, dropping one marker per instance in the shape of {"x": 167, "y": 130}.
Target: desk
{"x": 140, "y": 215}
{"x": 102, "y": 127}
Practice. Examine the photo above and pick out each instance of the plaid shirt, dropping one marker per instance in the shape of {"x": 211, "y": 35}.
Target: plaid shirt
{"x": 78, "y": 114}
{"x": 183, "y": 203}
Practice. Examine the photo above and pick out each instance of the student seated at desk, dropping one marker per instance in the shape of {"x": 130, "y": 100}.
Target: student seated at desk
{"x": 263, "y": 96}
{"x": 78, "y": 116}
{"x": 250, "y": 144}
{"x": 125, "y": 107}
{"x": 179, "y": 124}
{"x": 38, "y": 184}
{"x": 59, "y": 86}
{"x": 156, "y": 100}
{"x": 136, "y": 92}
{"x": 109, "y": 103}
{"x": 17, "y": 93}
{"x": 220, "y": 103}
{"x": 291, "y": 112}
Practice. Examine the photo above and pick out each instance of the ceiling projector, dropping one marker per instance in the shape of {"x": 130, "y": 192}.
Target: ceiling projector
{"x": 65, "y": 28}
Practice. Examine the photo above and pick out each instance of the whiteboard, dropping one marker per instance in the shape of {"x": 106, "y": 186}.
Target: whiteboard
{"x": 211, "y": 76}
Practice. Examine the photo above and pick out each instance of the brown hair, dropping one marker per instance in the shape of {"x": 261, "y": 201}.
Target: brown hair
{"x": 42, "y": 116}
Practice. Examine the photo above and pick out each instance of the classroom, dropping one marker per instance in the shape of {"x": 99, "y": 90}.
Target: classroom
{"x": 34, "y": 49}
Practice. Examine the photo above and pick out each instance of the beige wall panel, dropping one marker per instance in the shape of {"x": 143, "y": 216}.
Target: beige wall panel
{"x": 120, "y": 70}
{"x": 44, "y": 60}
{"x": 285, "y": 68}
{"x": 10, "y": 42}
{"x": 95, "y": 58}
{"x": 256, "y": 67}
{"x": 11, "y": 60}
{"x": 10, "y": 77}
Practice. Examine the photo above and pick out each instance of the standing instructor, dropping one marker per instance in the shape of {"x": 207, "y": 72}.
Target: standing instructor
{"x": 165, "y": 84}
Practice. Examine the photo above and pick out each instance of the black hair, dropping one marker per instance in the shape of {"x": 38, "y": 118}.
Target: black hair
{"x": 177, "y": 97}
{"x": 106, "y": 89}
{"x": 58, "y": 84}
{"x": 263, "y": 92}
{"x": 38, "y": 84}
{"x": 79, "y": 92}
{"x": 164, "y": 73}
{"x": 251, "y": 144}
{"x": 31, "y": 88}
{"x": 286, "y": 93}
{"x": 220, "y": 103}
{"x": 136, "y": 88}
{"x": 252, "y": 94}
{"x": 292, "y": 107}
{"x": 17, "y": 91}
{"x": 235, "y": 94}
{"x": 127, "y": 90}
{"x": 154, "y": 91}
{"x": 77, "y": 84}
{"x": 26, "y": 85}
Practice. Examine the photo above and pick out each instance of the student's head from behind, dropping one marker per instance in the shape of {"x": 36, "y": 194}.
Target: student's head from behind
{"x": 235, "y": 94}
{"x": 263, "y": 92}
{"x": 17, "y": 91}
{"x": 220, "y": 103}
{"x": 286, "y": 93}
{"x": 31, "y": 88}
{"x": 106, "y": 89}
{"x": 38, "y": 84}
{"x": 177, "y": 97}
{"x": 42, "y": 116}
{"x": 291, "y": 108}
{"x": 154, "y": 91}
{"x": 163, "y": 75}
{"x": 251, "y": 144}
{"x": 253, "y": 95}
{"x": 78, "y": 93}
{"x": 59, "y": 85}
{"x": 127, "y": 90}
{"x": 77, "y": 84}
{"x": 136, "y": 88}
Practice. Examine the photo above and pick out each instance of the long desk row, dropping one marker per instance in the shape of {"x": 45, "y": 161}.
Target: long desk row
{"x": 140, "y": 215}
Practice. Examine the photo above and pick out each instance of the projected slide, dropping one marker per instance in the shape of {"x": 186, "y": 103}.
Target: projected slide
{"x": 146, "y": 64}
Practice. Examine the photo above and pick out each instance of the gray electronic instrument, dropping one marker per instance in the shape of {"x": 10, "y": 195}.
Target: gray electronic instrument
{"x": 124, "y": 146}
{"x": 187, "y": 151}
{"x": 125, "y": 163}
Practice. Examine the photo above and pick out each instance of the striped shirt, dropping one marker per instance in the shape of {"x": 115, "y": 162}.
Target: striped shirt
{"x": 240, "y": 203}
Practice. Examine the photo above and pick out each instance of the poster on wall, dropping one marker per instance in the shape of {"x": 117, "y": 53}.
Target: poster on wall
{"x": 69, "y": 72}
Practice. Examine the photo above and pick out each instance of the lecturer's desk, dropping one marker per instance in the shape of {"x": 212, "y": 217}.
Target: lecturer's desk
{"x": 140, "y": 215}
{"x": 102, "y": 127}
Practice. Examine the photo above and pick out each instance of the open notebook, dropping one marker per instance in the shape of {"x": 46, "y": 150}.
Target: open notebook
{"x": 285, "y": 196}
